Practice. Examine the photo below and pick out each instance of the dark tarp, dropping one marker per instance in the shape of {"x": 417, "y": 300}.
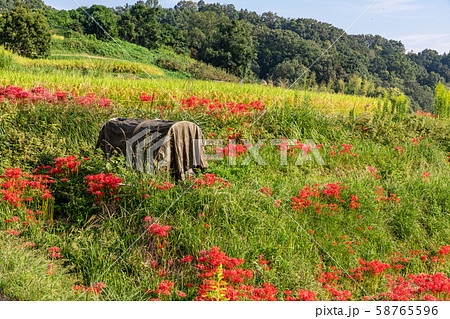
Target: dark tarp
{"x": 175, "y": 147}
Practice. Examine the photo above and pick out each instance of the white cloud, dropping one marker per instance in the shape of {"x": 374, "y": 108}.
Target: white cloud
{"x": 418, "y": 42}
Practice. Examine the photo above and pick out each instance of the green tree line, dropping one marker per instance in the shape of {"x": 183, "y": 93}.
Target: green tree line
{"x": 266, "y": 47}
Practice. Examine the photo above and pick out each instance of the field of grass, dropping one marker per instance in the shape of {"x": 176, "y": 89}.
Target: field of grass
{"x": 377, "y": 211}
{"x": 89, "y": 63}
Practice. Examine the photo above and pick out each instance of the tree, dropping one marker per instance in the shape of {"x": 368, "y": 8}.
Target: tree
{"x": 25, "y": 31}
{"x": 231, "y": 47}
{"x": 138, "y": 25}
{"x": 290, "y": 70}
{"x": 10, "y": 4}
{"x": 101, "y": 22}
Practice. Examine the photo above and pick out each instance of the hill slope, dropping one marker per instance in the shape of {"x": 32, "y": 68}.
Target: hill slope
{"x": 376, "y": 210}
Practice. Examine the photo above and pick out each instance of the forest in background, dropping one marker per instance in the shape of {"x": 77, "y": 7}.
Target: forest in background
{"x": 264, "y": 47}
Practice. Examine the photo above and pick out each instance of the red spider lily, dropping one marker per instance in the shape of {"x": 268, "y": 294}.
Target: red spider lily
{"x": 346, "y": 149}
{"x": 211, "y": 180}
{"x": 425, "y": 114}
{"x": 18, "y": 187}
{"x": 373, "y": 171}
{"x": 300, "y": 295}
{"x": 232, "y": 150}
{"x": 13, "y": 232}
{"x": 65, "y": 165}
{"x": 221, "y": 111}
{"x": 266, "y": 191}
{"x": 354, "y": 201}
{"x": 14, "y": 219}
{"x": 155, "y": 228}
{"x": 165, "y": 186}
{"x": 400, "y": 150}
{"x": 164, "y": 288}
{"x": 187, "y": 259}
{"x": 54, "y": 252}
{"x": 17, "y": 95}
{"x": 374, "y": 267}
{"x": 97, "y": 288}
{"x": 263, "y": 262}
{"x": 385, "y": 199}
{"x": 146, "y": 98}
{"x": 103, "y": 185}
{"x": 445, "y": 250}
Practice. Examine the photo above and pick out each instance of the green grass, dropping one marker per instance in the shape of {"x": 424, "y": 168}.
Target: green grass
{"x": 244, "y": 222}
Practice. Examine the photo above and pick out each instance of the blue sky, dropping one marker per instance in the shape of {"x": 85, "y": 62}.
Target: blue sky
{"x": 419, "y": 24}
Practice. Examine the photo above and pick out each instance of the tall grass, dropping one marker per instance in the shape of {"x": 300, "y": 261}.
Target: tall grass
{"x": 6, "y": 58}
{"x": 92, "y": 63}
{"x": 240, "y": 219}
{"x": 126, "y": 91}
{"x": 442, "y": 97}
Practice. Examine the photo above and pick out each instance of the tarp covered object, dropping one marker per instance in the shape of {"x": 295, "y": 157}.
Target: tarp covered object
{"x": 176, "y": 147}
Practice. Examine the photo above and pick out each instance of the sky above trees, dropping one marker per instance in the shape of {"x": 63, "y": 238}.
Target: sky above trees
{"x": 418, "y": 24}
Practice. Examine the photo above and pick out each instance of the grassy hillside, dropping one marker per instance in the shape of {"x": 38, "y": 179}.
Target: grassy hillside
{"x": 376, "y": 211}
{"x": 73, "y": 46}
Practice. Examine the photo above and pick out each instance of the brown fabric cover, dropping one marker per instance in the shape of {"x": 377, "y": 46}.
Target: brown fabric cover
{"x": 179, "y": 154}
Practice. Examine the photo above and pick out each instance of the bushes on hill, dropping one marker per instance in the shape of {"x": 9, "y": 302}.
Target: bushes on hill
{"x": 26, "y": 32}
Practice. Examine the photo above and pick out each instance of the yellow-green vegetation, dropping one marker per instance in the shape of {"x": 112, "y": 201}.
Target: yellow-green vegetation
{"x": 382, "y": 191}
{"x": 91, "y": 63}
{"x": 126, "y": 91}
{"x": 27, "y": 274}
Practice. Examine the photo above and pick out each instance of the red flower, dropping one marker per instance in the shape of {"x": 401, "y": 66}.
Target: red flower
{"x": 187, "y": 259}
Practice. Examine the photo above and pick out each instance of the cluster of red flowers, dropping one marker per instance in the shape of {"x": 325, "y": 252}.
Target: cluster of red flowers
{"x": 147, "y": 98}
{"x": 300, "y": 295}
{"x": 353, "y": 201}
{"x": 266, "y": 191}
{"x": 14, "y": 94}
{"x": 103, "y": 185}
{"x": 345, "y": 149}
{"x": 425, "y": 176}
{"x": 287, "y": 149}
{"x": 221, "y": 110}
{"x": 211, "y": 180}
{"x": 65, "y": 165}
{"x": 330, "y": 193}
{"x": 416, "y": 141}
{"x": 445, "y": 250}
{"x": 164, "y": 288}
{"x": 448, "y": 158}
{"x": 54, "y": 252}
{"x": 373, "y": 171}
{"x": 417, "y": 287}
{"x": 262, "y": 261}
{"x": 214, "y": 263}
{"x": 155, "y": 228}
{"x": 385, "y": 199}
{"x": 165, "y": 186}
{"x": 95, "y": 289}
{"x": 232, "y": 149}
{"x": 425, "y": 114}
{"x": 18, "y": 187}
{"x": 400, "y": 150}
{"x": 374, "y": 267}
